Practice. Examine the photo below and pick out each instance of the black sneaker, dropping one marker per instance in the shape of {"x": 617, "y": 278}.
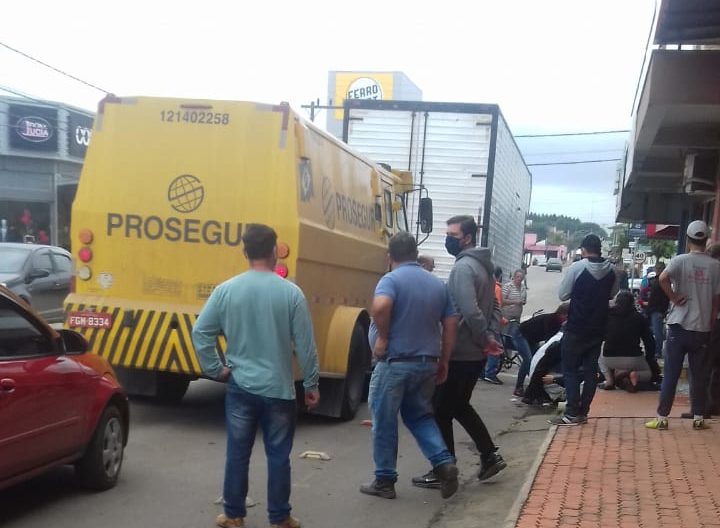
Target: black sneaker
{"x": 493, "y": 379}
{"x": 428, "y": 480}
{"x": 447, "y": 474}
{"x": 491, "y": 466}
{"x": 379, "y": 488}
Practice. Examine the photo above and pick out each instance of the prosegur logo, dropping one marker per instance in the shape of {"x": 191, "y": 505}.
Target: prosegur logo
{"x": 186, "y": 193}
{"x": 34, "y": 129}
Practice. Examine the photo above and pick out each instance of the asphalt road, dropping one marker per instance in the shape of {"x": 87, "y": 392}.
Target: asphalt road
{"x": 172, "y": 474}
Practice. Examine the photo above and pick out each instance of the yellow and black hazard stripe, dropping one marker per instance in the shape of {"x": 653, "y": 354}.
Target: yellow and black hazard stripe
{"x": 144, "y": 339}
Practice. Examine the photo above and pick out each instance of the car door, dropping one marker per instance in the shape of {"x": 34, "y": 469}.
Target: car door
{"x": 41, "y": 288}
{"x": 43, "y": 397}
{"x": 62, "y": 275}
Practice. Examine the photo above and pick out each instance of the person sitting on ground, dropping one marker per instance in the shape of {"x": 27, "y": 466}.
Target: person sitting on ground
{"x": 622, "y": 362}
{"x": 546, "y": 359}
{"x": 541, "y": 328}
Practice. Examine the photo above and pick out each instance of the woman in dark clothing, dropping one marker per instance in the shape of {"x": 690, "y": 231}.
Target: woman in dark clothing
{"x": 622, "y": 361}
{"x": 541, "y": 328}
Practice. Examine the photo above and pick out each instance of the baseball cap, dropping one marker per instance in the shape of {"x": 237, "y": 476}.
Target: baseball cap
{"x": 652, "y": 275}
{"x": 698, "y": 230}
{"x": 591, "y": 243}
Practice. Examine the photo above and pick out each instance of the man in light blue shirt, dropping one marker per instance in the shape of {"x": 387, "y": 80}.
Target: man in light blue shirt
{"x": 264, "y": 319}
{"x": 408, "y": 309}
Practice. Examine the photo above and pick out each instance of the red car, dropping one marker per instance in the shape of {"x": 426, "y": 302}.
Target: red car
{"x": 59, "y": 403}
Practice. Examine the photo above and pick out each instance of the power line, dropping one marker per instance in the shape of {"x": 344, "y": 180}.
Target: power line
{"x": 61, "y": 72}
{"x": 593, "y": 133}
{"x": 573, "y": 162}
{"x": 561, "y": 152}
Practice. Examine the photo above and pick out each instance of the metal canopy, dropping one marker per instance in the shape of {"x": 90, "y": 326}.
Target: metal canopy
{"x": 688, "y": 22}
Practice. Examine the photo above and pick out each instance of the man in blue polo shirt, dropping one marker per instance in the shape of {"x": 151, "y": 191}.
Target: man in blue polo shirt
{"x": 409, "y": 307}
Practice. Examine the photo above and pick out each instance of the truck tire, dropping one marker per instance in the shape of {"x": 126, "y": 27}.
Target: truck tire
{"x": 356, "y": 377}
{"x": 171, "y": 387}
{"x": 99, "y": 468}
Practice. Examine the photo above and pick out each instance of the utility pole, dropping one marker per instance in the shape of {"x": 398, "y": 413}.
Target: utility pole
{"x": 315, "y": 105}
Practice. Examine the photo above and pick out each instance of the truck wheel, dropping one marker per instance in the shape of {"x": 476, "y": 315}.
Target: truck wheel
{"x": 171, "y": 387}
{"x": 355, "y": 379}
{"x": 99, "y": 468}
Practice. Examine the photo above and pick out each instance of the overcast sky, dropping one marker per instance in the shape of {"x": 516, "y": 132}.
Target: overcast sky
{"x": 552, "y": 66}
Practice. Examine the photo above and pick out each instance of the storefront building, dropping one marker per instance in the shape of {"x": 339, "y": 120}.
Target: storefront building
{"x": 672, "y": 169}
{"x": 42, "y": 147}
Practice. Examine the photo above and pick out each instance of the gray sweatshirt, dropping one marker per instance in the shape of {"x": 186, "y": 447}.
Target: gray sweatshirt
{"x": 472, "y": 289}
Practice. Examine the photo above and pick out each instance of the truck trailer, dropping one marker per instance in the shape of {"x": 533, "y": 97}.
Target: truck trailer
{"x": 464, "y": 155}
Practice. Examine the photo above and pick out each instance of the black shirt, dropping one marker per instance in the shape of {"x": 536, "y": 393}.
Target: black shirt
{"x": 657, "y": 300}
{"x": 540, "y": 328}
{"x": 624, "y": 333}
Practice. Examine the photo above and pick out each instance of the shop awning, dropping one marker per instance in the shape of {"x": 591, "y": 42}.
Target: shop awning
{"x": 662, "y": 231}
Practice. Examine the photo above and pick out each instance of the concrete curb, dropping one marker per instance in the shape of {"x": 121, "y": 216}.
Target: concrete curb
{"x": 514, "y": 513}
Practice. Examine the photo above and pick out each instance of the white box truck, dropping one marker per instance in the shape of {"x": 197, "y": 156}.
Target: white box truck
{"x": 464, "y": 155}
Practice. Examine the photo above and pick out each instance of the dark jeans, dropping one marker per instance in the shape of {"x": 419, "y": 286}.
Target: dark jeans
{"x": 695, "y": 345}
{"x": 536, "y": 388}
{"x": 523, "y": 350}
{"x": 452, "y": 401}
{"x": 713, "y": 359}
{"x": 657, "y": 322}
{"x": 244, "y": 412}
{"x": 580, "y": 355}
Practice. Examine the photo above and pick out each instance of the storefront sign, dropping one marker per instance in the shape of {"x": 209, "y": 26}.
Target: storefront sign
{"x": 33, "y": 128}
{"x": 79, "y": 132}
{"x": 636, "y": 230}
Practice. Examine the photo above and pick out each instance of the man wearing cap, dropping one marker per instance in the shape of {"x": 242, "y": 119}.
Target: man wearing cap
{"x": 589, "y": 284}
{"x": 692, "y": 283}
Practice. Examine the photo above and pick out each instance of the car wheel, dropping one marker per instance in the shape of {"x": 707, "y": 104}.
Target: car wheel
{"x": 99, "y": 468}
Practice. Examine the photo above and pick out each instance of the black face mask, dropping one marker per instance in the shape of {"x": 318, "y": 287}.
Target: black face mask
{"x": 452, "y": 245}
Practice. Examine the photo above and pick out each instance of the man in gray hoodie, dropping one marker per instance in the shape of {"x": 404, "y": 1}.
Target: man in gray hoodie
{"x": 589, "y": 284}
{"x": 472, "y": 290}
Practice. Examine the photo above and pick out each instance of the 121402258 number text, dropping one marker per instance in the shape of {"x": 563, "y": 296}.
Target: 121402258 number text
{"x": 193, "y": 116}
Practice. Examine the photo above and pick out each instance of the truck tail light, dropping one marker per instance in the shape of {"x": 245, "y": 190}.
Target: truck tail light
{"x": 283, "y": 250}
{"x": 281, "y": 270}
{"x": 85, "y": 236}
{"x": 85, "y": 254}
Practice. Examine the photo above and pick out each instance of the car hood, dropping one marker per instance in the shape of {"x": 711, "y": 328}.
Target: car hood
{"x": 9, "y": 278}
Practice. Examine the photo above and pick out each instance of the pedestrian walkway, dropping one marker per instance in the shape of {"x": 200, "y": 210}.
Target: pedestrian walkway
{"x": 615, "y": 472}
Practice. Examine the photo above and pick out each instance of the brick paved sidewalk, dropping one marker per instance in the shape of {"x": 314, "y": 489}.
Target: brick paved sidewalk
{"x": 615, "y": 472}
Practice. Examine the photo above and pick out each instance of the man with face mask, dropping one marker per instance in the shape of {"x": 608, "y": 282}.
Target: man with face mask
{"x": 472, "y": 290}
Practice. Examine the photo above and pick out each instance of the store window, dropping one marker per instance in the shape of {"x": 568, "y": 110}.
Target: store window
{"x": 24, "y": 222}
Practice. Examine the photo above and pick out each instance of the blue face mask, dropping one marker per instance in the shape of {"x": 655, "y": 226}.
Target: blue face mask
{"x": 452, "y": 245}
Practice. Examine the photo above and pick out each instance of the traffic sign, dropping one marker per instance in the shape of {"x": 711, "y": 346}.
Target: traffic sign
{"x": 639, "y": 257}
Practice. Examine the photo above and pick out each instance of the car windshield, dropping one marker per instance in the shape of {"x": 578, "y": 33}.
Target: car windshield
{"x": 12, "y": 259}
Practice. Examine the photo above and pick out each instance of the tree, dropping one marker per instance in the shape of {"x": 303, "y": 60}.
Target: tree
{"x": 663, "y": 248}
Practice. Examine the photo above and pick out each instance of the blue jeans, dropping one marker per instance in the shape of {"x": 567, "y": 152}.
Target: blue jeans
{"x": 407, "y": 388}
{"x": 244, "y": 412}
{"x": 523, "y": 349}
{"x": 695, "y": 345}
{"x": 657, "y": 321}
{"x": 580, "y": 365}
{"x": 492, "y": 366}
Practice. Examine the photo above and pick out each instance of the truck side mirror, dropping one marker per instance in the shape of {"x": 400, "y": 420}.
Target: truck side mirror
{"x": 425, "y": 215}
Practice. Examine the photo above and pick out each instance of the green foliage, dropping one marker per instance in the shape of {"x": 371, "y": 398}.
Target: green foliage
{"x": 663, "y": 248}
{"x": 561, "y": 229}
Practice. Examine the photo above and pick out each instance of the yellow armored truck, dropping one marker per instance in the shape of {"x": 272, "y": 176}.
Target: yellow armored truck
{"x": 165, "y": 192}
